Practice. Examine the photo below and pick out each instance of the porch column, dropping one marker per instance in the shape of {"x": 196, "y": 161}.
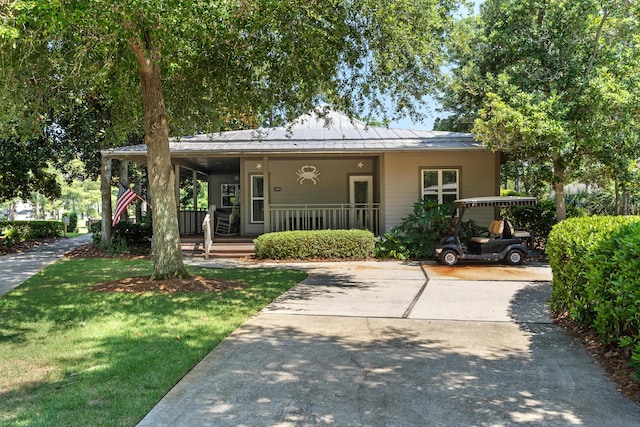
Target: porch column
{"x": 177, "y": 185}
{"x": 177, "y": 195}
{"x": 194, "y": 179}
{"x": 124, "y": 180}
{"x": 267, "y": 190}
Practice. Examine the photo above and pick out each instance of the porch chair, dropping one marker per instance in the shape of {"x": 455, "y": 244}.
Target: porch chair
{"x": 227, "y": 225}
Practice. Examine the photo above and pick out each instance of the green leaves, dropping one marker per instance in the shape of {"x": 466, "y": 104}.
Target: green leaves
{"x": 322, "y": 244}
{"x": 416, "y": 236}
{"x": 596, "y": 277}
{"x": 558, "y": 78}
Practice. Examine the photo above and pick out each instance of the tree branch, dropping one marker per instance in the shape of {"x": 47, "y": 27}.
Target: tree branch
{"x": 594, "y": 54}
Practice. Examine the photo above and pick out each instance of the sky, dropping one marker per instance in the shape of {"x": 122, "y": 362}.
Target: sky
{"x": 430, "y": 105}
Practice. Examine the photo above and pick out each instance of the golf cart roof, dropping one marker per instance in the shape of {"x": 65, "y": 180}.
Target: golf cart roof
{"x": 495, "y": 201}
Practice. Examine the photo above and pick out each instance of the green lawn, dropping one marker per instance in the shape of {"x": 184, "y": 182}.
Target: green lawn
{"x": 70, "y": 356}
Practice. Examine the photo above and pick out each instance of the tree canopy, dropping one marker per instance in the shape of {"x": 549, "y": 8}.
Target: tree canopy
{"x": 554, "y": 83}
{"x": 163, "y": 68}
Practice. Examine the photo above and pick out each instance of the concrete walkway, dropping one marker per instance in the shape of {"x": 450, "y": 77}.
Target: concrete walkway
{"x": 399, "y": 344}
{"x": 16, "y": 268}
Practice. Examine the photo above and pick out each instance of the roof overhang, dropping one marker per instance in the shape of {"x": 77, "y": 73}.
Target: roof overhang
{"x": 329, "y": 134}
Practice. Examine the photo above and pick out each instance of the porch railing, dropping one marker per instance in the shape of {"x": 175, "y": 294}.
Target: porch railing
{"x": 207, "y": 229}
{"x": 190, "y": 221}
{"x": 325, "y": 217}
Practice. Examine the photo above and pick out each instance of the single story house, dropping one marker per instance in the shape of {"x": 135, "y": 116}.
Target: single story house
{"x": 327, "y": 172}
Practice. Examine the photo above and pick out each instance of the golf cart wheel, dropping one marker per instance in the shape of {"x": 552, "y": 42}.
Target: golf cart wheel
{"x": 514, "y": 257}
{"x": 449, "y": 257}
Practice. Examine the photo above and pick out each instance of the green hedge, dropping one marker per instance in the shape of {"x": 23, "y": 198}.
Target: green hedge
{"x": 18, "y": 231}
{"x": 596, "y": 276}
{"x": 125, "y": 234}
{"x": 321, "y": 244}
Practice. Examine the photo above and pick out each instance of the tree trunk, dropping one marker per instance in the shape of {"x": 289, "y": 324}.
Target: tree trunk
{"x": 616, "y": 187}
{"x": 625, "y": 202}
{"x": 105, "y": 190}
{"x": 558, "y": 188}
{"x": 167, "y": 255}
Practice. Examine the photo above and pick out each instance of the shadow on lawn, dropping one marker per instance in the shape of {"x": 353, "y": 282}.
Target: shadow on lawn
{"x": 61, "y": 295}
{"x": 112, "y": 356}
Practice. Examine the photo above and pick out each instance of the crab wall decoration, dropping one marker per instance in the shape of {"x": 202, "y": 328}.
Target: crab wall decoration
{"x": 308, "y": 172}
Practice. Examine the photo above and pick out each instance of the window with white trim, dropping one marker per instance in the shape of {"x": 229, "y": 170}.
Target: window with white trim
{"x": 230, "y": 195}
{"x": 441, "y": 185}
{"x": 257, "y": 198}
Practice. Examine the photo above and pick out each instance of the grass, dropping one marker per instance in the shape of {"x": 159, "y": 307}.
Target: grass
{"x": 70, "y": 356}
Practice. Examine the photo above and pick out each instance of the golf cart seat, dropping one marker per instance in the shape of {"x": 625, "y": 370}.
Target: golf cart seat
{"x": 522, "y": 234}
{"x": 496, "y": 229}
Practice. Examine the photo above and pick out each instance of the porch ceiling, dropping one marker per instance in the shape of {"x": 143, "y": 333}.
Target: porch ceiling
{"x": 209, "y": 165}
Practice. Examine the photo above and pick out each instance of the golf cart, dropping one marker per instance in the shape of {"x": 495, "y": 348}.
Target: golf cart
{"x": 501, "y": 242}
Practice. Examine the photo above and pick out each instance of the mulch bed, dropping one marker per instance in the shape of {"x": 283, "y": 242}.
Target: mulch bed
{"x": 142, "y": 284}
{"x": 194, "y": 284}
{"x": 90, "y": 250}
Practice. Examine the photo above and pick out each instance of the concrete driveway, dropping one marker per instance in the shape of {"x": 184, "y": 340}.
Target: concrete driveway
{"x": 18, "y": 267}
{"x": 400, "y": 344}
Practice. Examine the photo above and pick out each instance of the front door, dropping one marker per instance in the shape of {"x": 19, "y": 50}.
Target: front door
{"x": 361, "y": 201}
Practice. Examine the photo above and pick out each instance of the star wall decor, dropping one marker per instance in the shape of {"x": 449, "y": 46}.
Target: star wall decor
{"x": 360, "y": 165}
{"x": 259, "y": 166}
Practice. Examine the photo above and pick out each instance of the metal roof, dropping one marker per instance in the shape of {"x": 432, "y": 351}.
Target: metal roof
{"x": 312, "y": 133}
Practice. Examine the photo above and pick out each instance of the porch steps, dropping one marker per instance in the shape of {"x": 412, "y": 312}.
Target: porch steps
{"x": 222, "y": 247}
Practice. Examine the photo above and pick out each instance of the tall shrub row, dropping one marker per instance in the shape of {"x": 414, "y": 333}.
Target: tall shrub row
{"x": 18, "y": 231}
{"x": 596, "y": 276}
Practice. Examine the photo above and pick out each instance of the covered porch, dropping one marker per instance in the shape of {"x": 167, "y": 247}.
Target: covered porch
{"x": 242, "y": 197}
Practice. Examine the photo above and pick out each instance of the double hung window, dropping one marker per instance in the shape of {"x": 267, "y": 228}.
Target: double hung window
{"x": 440, "y": 185}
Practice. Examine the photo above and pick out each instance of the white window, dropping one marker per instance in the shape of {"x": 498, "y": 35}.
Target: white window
{"x": 257, "y": 198}
{"x": 440, "y": 185}
{"x": 230, "y": 195}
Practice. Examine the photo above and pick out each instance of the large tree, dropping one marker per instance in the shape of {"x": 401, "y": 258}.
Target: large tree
{"x": 194, "y": 63}
{"x": 554, "y": 82}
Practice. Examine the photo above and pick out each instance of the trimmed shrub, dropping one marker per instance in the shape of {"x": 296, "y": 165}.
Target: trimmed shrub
{"x": 137, "y": 235}
{"x": 596, "y": 277}
{"x": 319, "y": 244}
{"x": 96, "y": 232}
{"x": 73, "y": 222}
{"x": 569, "y": 244}
{"x": 613, "y": 291}
{"x": 126, "y": 235}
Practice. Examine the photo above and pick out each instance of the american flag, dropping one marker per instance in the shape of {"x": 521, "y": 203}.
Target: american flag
{"x": 125, "y": 197}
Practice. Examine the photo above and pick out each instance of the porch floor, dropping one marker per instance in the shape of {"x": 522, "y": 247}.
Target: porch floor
{"x": 223, "y": 246}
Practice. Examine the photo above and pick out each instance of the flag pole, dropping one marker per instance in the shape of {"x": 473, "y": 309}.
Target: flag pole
{"x": 144, "y": 200}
